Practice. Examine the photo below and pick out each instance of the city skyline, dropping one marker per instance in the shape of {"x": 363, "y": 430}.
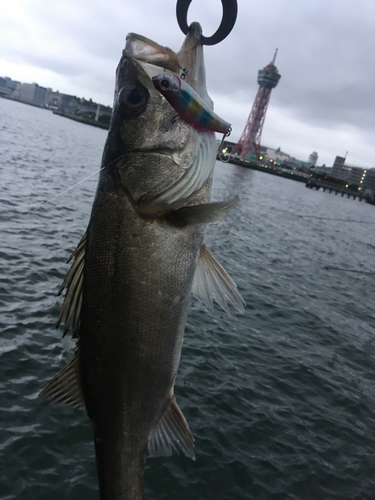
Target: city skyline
{"x": 324, "y": 100}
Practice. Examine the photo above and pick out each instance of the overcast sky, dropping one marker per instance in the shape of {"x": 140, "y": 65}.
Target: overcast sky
{"x": 325, "y": 98}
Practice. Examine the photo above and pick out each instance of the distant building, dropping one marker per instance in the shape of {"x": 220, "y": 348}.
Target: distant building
{"x": 77, "y": 106}
{"x": 55, "y": 99}
{"x": 90, "y": 106}
{"x": 277, "y": 154}
{"x": 4, "y": 91}
{"x": 367, "y": 183}
{"x": 32, "y": 93}
{"x": 356, "y": 176}
{"x": 68, "y": 103}
{"x": 313, "y": 158}
{"x": 339, "y": 170}
{"x": 324, "y": 169}
{"x": 8, "y": 86}
{"x": 8, "y": 83}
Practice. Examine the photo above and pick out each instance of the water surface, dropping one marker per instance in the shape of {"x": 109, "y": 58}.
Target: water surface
{"x": 280, "y": 400}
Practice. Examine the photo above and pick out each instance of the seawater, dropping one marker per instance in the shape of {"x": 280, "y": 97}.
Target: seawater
{"x": 281, "y": 400}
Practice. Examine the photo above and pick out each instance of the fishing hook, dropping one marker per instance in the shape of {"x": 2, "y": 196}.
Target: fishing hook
{"x": 226, "y": 25}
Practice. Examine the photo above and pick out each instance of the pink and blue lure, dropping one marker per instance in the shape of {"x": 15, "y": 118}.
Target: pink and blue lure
{"x": 188, "y": 104}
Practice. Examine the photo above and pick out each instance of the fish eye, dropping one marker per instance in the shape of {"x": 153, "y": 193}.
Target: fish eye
{"x": 132, "y": 99}
{"x": 131, "y": 96}
{"x": 164, "y": 84}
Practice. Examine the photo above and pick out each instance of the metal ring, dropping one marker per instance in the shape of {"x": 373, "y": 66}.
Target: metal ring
{"x": 226, "y": 25}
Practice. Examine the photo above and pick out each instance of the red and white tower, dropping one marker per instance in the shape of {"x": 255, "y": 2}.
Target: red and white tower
{"x": 249, "y": 142}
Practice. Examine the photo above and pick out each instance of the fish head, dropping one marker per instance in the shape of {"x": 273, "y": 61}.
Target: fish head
{"x": 161, "y": 162}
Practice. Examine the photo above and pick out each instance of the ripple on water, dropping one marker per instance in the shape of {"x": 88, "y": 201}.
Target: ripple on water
{"x": 280, "y": 400}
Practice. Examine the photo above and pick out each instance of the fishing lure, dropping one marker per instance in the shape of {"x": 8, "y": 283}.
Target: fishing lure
{"x": 189, "y": 104}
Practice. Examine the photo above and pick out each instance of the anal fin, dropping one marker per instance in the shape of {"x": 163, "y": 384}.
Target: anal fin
{"x": 65, "y": 388}
{"x": 172, "y": 434}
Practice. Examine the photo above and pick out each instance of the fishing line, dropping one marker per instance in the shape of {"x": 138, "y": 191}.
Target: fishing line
{"x": 341, "y": 220}
{"x": 55, "y": 197}
{"x": 347, "y": 270}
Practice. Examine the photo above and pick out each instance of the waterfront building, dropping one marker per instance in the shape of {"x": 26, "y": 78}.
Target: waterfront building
{"x": 339, "y": 170}
{"x": 32, "y": 93}
{"x": 278, "y": 155}
{"x": 75, "y": 105}
{"x": 55, "y": 99}
{"x": 8, "y": 83}
{"x": 8, "y": 87}
{"x": 356, "y": 176}
{"x": 368, "y": 183}
{"x": 313, "y": 158}
{"x": 4, "y": 91}
{"x": 68, "y": 103}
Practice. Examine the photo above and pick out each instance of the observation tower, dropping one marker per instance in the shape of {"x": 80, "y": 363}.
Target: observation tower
{"x": 249, "y": 142}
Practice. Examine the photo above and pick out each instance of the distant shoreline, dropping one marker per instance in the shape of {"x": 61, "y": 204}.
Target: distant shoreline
{"x": 80, "y": 119}
{"x": 23, "y": 102}
{"x": 71, "y": 116}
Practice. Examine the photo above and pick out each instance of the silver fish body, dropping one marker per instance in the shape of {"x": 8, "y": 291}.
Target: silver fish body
{"x": 129, "y": 287}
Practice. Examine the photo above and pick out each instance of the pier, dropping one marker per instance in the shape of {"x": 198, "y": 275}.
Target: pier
{"x": 295, "y": 175}
{"x": 316, "y": 183}
{"x": 311, "y": 180}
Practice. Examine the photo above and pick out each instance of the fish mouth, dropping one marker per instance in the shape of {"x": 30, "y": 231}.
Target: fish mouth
{"x": 151, "y": 56}
{"x": 188, "y": 62}
{"x": 190, "y": 57}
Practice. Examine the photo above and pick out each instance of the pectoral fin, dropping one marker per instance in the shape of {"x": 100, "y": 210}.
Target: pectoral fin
{"x": 211, "y": 281}
{"x": 65, "y": 389}
{"x": 171, "y": 434}
{"x": 207, "y": 213}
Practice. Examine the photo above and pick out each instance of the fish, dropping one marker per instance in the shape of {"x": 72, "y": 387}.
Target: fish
{"x": 128, "y": 290}
{"x": 189, "y": 104}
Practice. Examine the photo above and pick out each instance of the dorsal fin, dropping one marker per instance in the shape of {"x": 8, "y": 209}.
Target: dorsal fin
{"x": 71, "y": 308}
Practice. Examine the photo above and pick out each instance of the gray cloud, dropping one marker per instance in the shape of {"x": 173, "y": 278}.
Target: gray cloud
{"x": 325, "y": 59}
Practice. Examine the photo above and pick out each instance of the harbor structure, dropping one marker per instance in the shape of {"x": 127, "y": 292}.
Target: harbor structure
{"x": 249, "y": 142}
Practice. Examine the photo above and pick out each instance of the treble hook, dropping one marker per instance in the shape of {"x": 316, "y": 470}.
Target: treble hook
{"x": 226, "y": 25}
